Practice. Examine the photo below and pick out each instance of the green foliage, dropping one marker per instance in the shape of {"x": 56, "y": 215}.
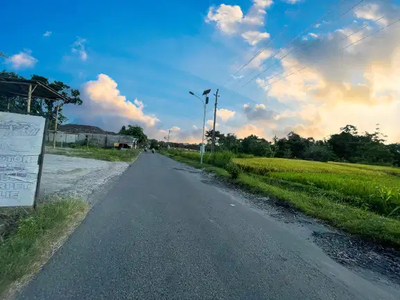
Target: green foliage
{"x": 318, "y": 153}
{"x": 371, "y": 188}
{"x": 233, "y": 170}
{"x": 135, "y": 131}
{"x": 127, "y": 155}
{"x": 154, "y": 144}
{"x": 255, "y": 146}
{"x": 41, "y": 107}
{"x": 25, "y": 248}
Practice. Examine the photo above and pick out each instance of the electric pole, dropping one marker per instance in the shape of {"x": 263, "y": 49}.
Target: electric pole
{"x": 55, "y": 125}
{"x": 215, "y": 119}
{"x": 169, "y": 132}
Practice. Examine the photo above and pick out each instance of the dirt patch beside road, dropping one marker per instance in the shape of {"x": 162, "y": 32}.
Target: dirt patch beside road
{"x": 75, "y": 176}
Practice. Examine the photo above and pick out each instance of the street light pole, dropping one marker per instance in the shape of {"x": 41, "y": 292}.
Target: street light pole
{"x": 205, "y": 93}
{"x": 202, "y": 136}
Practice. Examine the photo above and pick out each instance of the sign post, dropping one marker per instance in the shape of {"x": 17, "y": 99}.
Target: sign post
{"x": 21, "y": 151}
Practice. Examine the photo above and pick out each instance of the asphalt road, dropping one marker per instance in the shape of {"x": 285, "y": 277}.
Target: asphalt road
{"x": 163, "y": 232}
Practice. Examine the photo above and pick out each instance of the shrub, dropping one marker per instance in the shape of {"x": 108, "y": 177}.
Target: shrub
{"x": 233, "y": 169}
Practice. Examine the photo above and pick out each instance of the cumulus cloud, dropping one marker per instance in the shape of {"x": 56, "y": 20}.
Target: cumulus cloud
{"x": 192, "y": 135}
{"x": 258, "y": 112}
{"x": 226, "y": 17}
{"x": 256, "y": 14}
{"x": 256, "y": 62}
{"x": 229, "y": 19}
{"x": 357, "y": 86}
{"x": 22, "y": 60}
{"x": 103, "y": 105}
{"x": 254, "y": 37}
{"x": 249, "y": 129}
{"x": 224, "y": 114}
{"x": 210, "y": 124}
{"x": 78, "y": 47}
{"x": 47, "y": 33}
{"x": 370, "y": 11}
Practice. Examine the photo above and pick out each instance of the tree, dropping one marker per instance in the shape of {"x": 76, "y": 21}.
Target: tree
{"x": 154, "y": 144}
{"x": 255, "y": 146}
{"x": 319, "y": 152}
{"x": 344, "y": 144}
{"x": 209, "y": 134}
{"x": 135, "y": 131}
{"x": 72, "y": 96}
{"x": 297, "y": 145}
{"x": 395, "y": 151}
{"x": 229, "y": 142}
{"x": 42, "y": 107}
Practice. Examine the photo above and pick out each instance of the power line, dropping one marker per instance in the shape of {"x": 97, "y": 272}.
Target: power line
{"x": 345, "y": 37}
{"x": 257, "y": 54}
{"x": 351, "y": 44}
{"x": 313, "y": 24}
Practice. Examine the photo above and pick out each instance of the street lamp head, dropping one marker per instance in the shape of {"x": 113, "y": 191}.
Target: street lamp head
{"x": 191, "y": 93}
{"x": 206, "y": 92}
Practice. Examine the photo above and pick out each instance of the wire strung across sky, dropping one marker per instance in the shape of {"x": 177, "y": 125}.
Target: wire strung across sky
{"x": 347, "y": 46}
{"x": 295, "y": 38}
{"x": 257, "y": 54}
{"x": 309, "y": 45}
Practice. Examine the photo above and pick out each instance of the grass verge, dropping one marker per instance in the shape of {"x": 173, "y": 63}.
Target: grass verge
{"x": 315, "y": 202}
{"x": 36, "y": 236}
{"x": 114, "y": 155}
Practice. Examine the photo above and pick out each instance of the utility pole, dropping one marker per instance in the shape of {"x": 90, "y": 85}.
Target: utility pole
{"x": 215, "y": 119}
{"x": 205, "y": 102}
{"x": 55, "y": 126}
{"x": 169, "y": 132}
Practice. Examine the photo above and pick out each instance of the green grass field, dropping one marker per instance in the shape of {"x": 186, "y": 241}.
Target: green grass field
{"x": 372, "y": 188}
{"x": 361, "y": 199}
{"x": 34, "y": 235}
{"x": 128, "y": 155}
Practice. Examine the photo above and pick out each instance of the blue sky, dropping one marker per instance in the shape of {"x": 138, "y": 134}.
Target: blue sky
{"x": 156, "y": 51}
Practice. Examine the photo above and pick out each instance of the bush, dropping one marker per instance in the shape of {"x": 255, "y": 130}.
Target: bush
{"x": 219, "y": 159}
{"x": 233, "y": 169}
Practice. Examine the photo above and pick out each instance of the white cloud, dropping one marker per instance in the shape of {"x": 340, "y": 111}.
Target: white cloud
{"x": 226, "y": 17}
{"x": 370, "y": 11}
{"x": 358, "y": 87}
{"x": 230, "y": 19}
{"x": 79, "y": 48}
{"x": 47, "y": 33}
{"x": 314, "y": 35}
{"x": 22, "y": 60}
{"x": 102, "y": 99}
{"x": 263, "y": 3}
{"x": 254, "y": 37}
{"x": 258, "y": 112}
{"x": 237, "y": 77}
{"x": 210, "y": 123}
{"x": 249, "y": 129}
{"x": 256, "y": 62}
{"x": 292, "y": 1}
{"x": 225, "y": 114}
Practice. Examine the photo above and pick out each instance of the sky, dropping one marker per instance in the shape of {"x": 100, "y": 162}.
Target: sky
{"x": 308, "y": 66}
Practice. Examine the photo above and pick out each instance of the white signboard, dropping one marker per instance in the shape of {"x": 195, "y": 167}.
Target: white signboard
{"x": 20, "y": 146}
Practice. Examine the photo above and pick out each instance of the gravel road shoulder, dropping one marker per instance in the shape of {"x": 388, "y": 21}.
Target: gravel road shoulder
{"x": 75, "y": 176}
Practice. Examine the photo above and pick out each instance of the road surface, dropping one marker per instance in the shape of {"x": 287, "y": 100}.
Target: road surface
{"x": 163, "y": 232}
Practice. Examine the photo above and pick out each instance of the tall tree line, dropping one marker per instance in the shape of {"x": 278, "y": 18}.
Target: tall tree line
{"x": 347, "y": 146}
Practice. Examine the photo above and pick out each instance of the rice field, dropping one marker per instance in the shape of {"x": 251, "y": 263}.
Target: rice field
{"x": 373, "y": 188}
